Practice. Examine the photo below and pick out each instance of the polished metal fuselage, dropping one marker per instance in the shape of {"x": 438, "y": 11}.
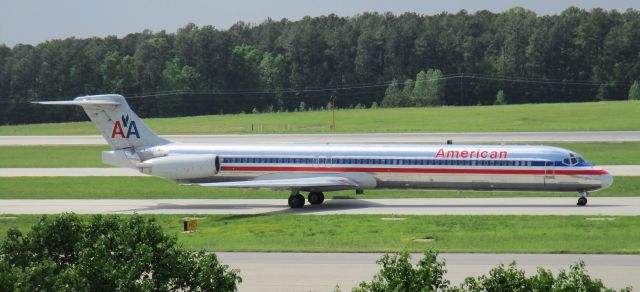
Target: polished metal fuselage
{"x": 407, "y": 166}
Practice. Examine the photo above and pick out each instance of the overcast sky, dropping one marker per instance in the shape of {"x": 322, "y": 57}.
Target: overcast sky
{"x": 32, "y": 21}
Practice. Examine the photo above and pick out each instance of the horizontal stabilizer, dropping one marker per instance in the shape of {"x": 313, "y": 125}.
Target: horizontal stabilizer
{"x": 80, "y": 102}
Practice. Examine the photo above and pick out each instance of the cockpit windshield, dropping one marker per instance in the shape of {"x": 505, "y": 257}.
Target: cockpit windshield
{"x": 573, "y": 159}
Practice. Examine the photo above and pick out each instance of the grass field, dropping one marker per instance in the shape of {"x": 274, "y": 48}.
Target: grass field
{"x": 369, "y": 233}
{"x": 89, "y": 156}
{"x": 590, "y": 116}
{"x": 157, "y": 188}
{"x": 52, "y": 156}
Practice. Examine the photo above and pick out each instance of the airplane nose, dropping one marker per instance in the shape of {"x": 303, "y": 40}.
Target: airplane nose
{"x": 606, "y": 180}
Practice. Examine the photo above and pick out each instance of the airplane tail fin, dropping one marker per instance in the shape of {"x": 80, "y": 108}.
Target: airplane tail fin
{"x": 117, "y": 123}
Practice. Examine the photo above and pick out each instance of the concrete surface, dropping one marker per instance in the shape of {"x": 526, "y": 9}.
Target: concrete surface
{"x": 69, "y": 171}
{"x": 610, "y": 206}
{"x": 458, "y": 138}
{"x": 323, "y": 271}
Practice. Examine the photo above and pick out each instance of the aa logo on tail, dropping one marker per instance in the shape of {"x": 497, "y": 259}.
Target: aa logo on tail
{"x": 131, "y": 127}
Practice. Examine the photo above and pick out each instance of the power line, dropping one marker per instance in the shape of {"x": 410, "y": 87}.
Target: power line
{"x": 460, "y": 76}
{"x": 290, "y": 90}
{"x": 547, "y": 79}
{"x": 371, "y": 85}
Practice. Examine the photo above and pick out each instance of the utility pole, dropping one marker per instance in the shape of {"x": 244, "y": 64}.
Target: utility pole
{"x": 461, "y": 88}
{"x": 333, "y": 109}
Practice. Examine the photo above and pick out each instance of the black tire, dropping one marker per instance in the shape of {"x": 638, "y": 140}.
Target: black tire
{"x": 316, "y": 198}
{"x": 582, "y": 201}
{"x": 296, "y": 201}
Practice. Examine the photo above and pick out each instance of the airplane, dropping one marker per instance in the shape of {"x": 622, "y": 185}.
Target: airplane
{"x": 319, "y": 168}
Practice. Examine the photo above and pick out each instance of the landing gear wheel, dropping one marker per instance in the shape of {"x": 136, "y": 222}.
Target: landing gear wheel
{"x": 582, "y": 201}
{"x": 296, "y": 201}
{"x": 316, "y": 198}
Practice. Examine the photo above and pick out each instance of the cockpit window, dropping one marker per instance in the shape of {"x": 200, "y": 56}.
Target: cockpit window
{"x": 572, "y": 160}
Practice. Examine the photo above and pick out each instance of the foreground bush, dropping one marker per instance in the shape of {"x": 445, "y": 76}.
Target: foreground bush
{"x": 108, "y": 253}
{"x": 398, "y": 274}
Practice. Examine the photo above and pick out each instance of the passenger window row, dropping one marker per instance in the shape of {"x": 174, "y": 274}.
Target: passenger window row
{"x": 377, "y": 161}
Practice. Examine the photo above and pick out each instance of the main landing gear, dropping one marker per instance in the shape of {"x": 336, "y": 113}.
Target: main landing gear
{"x": 296, "y": 200}
{"x": 582, "y": 200}
{"x": 315, "y": 198}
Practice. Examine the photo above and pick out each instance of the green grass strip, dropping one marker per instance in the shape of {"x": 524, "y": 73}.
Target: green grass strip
{"x": 369, "y": 233}
{"x": 157, "y": 188}
{"x": 52, "y": 156}
{"x": 588, "y": 116}
{"x": 90, "y": 156}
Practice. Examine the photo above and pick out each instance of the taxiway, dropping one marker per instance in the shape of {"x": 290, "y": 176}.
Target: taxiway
{"x": 458, "y": 138}
{"x": 323, "y": 271}
{"x": 598, "y": 206}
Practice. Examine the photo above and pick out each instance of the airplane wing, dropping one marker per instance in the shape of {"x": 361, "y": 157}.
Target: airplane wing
{"x": 307, "y": 183}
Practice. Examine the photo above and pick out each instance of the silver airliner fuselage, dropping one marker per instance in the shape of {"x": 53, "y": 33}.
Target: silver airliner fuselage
{"x": 406, "y": 166}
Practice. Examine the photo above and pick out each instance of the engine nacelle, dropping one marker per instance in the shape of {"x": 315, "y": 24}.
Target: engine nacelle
{"x": 177, "y": 167}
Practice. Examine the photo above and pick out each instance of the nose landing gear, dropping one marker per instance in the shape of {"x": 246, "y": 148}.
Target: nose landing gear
{"x": 582, "y": 200}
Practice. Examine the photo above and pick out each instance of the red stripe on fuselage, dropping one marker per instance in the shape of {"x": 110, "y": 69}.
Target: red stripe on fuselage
{"x": 414, "y": 170}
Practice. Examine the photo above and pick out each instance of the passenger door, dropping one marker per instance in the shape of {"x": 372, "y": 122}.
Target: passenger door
{"x": 549, "y": 173}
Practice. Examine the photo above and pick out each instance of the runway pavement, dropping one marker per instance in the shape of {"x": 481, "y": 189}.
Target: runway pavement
{"x": 458, "y": 138}
{"x": 598, "y": 206}
{"x": 69, "y": 171}
{"x": 615, "y": 170}
{"x": 323, "y": 271}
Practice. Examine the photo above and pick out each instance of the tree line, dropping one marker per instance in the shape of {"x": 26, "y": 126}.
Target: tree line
{"x": 279, "y": 65}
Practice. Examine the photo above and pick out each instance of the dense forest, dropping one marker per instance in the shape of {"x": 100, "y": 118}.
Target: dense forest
{"x": 456, "y": 59}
